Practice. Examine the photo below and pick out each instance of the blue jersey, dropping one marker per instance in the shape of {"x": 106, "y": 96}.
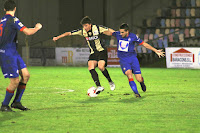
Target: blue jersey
{"x": 126, "y": 46}
{"x": 9, "y": 26}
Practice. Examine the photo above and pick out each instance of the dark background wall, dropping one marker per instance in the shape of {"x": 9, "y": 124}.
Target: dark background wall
{"x": 58, "y": 16}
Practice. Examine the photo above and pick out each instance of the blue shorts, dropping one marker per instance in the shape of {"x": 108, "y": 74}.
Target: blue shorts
{"x": 10, "y": 65}
{"x": 130, "y": 64}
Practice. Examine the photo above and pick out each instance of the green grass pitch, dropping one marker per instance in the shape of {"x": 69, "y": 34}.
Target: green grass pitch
{"x": 59, "y": 103}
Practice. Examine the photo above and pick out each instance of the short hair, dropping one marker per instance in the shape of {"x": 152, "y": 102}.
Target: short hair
{"x": 9, "y": 5}
{"x": 124, "y": 26}
{"x": 86, "y": 20}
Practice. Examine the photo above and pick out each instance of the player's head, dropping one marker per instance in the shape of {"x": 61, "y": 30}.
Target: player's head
{"x": 10, "y": 5}
{"x": 124, "y": 30}
{"x": 86, "y": 22}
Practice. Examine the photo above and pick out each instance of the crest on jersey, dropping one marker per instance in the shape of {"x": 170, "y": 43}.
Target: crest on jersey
{"x": 90, "y": 33}
{"x": 16, "y": 19}
{"x": 96, "y": 32}
{"x": 123, "y": 45}
{"x": 129, "y": 39}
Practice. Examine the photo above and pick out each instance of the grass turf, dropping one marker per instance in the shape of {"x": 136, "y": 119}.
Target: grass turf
{"x": 59, "y": 103}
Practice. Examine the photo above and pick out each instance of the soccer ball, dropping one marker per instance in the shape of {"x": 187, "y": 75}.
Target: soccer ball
{"x": 92, "y": 92}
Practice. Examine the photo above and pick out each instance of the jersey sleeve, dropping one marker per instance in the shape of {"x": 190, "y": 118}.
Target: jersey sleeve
{"x": 138, "y": 40}
{"x": 18, "y": 25}
{"x": 102, "y": 29}
{"x": 77, "y": 32}
{"x": 114, "y": 34}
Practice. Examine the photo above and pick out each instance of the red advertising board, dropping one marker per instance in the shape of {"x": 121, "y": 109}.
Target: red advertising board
{"x": 113, "y": 60}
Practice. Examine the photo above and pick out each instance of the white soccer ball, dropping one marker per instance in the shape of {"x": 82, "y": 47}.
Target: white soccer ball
{"x": 92, "y": 92}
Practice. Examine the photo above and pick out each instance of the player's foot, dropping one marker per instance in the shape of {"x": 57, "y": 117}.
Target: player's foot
{"x": 143, "y": 86}
{"x": 99, "y": 89}
{"x": 5, "y": 108}
{"x": 137, "y": 95}
{"x": 18, "y": 105}
{"x": 112, "y": 86}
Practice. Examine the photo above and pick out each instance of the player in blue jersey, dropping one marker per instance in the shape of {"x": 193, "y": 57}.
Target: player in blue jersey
{"x": 11, "y": 63}
{"x": 128, "y": 57}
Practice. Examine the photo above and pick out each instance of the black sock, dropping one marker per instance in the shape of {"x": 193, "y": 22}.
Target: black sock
{"x": 95, "y": 77}
{"x": 106, "y": 74}
{"x": 142, "y": 83}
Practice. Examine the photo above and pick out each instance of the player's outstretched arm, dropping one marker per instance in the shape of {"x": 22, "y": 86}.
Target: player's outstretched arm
{"x": 31, "y": 31}
{"x": 159, "y": 52}
{"x": 61, "y": 36}
{"x": 109, "y": 32}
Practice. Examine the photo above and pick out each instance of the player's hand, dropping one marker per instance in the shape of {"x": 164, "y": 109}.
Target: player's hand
{"x": 38, "y": 26}
{"x": 55, "y": 39}
{"x": 160, "y": 53}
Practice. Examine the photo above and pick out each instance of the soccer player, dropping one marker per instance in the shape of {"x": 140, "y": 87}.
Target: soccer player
{"x": 11, "y": 63}
{"x": 128, "y": 57}
{"x": 98, "y": 52}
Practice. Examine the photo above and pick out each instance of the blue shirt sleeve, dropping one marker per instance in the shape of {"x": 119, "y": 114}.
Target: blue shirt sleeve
{"x": 138, "y": 40}
{"x": 114, "y": 34}
{"x": 18, "y": 25}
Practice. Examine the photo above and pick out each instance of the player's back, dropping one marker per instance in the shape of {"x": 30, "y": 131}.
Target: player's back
{"x": 8, "y": 33}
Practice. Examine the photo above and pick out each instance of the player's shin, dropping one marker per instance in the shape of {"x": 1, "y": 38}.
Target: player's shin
{"x": 8, "y": 97}
{"x": 106, "y": 74}
{"x": 95, "y": 77}
{"x": 143, "y": 86}
{"x": 20, "y": 90}
{"x": 133, "y": 86}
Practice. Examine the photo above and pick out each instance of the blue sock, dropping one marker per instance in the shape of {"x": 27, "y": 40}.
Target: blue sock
{"x": 133, "y": 86}
{"x": 8, "y": 97}
{"x": 20, "y": 92}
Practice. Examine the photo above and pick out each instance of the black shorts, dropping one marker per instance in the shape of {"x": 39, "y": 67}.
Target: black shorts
{"x": 97, "y": 56}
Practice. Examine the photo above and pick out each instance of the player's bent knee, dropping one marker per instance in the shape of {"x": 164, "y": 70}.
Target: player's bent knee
{"x": 27, "y": 77}
{"x": 101, "y": 68}
{"x": 90, "y": 68}
{"x": 15, "y": 81}
{"x": 139, "y": 79}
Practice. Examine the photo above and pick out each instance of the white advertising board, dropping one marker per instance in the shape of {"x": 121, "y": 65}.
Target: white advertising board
{"x": 177, "y": 57}
{"x": 72, "y": 56}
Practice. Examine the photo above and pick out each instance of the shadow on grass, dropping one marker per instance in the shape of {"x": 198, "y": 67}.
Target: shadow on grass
{"x": 95, "y": 100}
{"x": 130, "y": 100}
{"x": 7, "y": 116}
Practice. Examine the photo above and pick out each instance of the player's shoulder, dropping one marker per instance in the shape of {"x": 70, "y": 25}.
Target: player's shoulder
{"x": 77, "y": 30}
{"x": 101, "y": 26}
{"x": 117, "y": 32}
{"x": 3, "y": 19}
{"x": 15, "y": 19}
{"x": 132, "y": 35}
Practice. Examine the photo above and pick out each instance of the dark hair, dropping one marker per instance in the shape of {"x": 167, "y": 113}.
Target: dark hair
{"x": 86, "y": 20}
{"x": 9, "y": 5}
{"x": 124, "y": 26}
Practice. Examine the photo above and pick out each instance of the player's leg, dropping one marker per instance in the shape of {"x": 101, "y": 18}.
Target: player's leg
{"x": 102, "y": 63}
{"x": 140, "y": 79}
{"x": 10, "y": 70}
{"x": 137, "y": 72}
{"x": 22, "y": 85}
{"x": 132, "y": 84}
{"x": 9, "y": 94}
{"x": 126, "y": 69}
{"x": 91, "y": 67}
{"x": 101, "y": 66}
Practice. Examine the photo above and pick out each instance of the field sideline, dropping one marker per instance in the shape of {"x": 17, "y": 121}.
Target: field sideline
{"x": 59, "y": 103}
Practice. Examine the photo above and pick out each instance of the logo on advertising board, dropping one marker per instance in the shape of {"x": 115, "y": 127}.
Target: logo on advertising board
{"x": 68, "y": 58}
{"x": 112, "y": 57}
{"x": 182, "y": 56}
